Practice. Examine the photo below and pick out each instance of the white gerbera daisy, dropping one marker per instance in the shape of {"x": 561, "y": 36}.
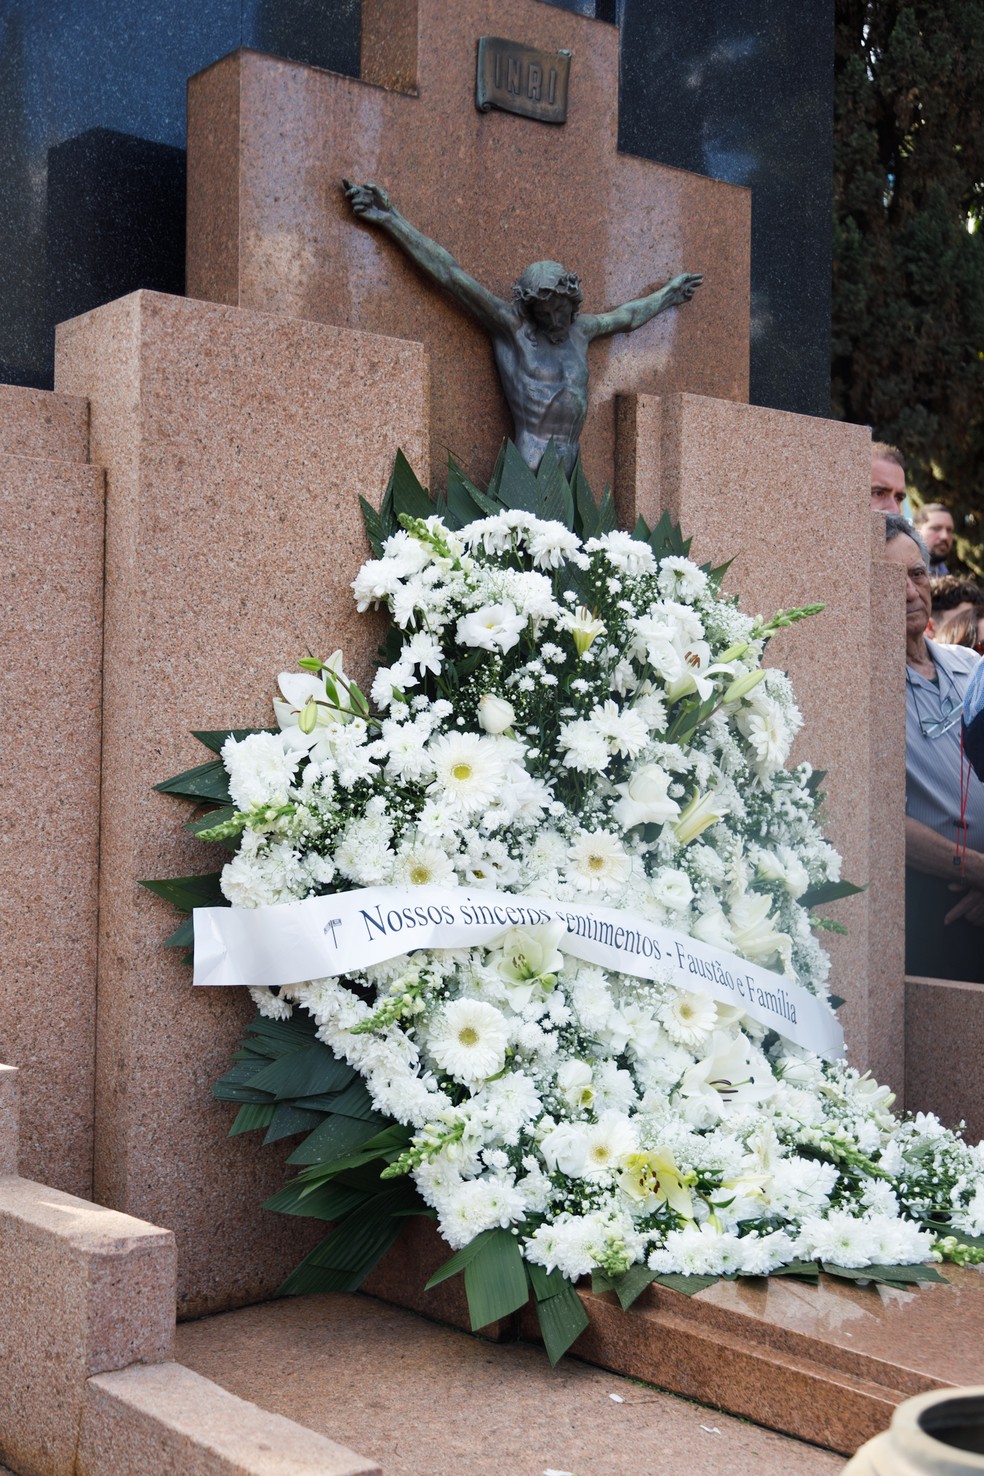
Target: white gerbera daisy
{"x": 421, "y": 865}
{"x": 468, "y": 770}
{"x": 598, "y": 861}
{"x": 469, "y": 1041}
{"x": 688, "y": 1018}
{"x": 609, "y": 1140}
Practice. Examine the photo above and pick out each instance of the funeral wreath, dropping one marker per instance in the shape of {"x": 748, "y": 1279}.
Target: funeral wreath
{"x": 531, "y": 930}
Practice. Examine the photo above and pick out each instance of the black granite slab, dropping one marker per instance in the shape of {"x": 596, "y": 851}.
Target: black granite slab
{"x": 92, "y": 129}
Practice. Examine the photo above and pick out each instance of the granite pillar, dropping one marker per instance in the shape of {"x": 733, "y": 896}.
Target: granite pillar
{"x": 785, "y": 497}
{"x": 51, "y": 516}
{"x": 944, "y": 1023}
{"x": 236, "y": 446}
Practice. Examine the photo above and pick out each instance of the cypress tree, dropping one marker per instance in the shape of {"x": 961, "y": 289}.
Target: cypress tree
{"x": 908, "y": 329}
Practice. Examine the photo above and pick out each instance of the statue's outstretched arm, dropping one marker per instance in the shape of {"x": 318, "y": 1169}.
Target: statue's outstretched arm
{"x": 633, "y": 314}
{"x": 372, "y": 204}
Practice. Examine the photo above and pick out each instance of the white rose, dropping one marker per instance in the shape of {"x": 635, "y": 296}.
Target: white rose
{"x": 495, "y": 714}
{"x": 565, "y": 1148}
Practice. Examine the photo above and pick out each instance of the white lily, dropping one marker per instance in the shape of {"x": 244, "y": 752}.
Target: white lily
{"x": 703, "y": 810}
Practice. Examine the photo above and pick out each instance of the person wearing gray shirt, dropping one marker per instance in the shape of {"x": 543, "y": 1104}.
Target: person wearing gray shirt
{"x": 944, "y": 824}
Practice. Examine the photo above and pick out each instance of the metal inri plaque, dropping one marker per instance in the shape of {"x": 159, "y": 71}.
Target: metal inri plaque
{"x": 522, "y": 79}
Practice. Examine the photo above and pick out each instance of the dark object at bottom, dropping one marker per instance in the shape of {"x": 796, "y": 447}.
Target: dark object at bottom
{"x": 932, "y": 949}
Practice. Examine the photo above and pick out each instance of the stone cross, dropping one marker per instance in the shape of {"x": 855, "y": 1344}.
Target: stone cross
{"x": 269, "y": 228}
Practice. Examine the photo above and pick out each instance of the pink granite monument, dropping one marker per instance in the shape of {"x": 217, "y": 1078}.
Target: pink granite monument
{"x": 231, "y": 434}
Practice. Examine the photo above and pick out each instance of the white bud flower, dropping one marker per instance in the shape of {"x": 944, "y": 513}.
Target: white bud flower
{"x": 495, "y": 714}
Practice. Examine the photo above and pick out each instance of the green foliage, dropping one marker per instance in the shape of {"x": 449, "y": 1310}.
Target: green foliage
{"x": 547, "y": 493}
{"x": 908, "y": 311}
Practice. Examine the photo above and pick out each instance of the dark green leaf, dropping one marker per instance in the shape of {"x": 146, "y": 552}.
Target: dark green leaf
{"x": 206, "y": 781}
{"x": 835, "y": 1001}
{"x": 355, "y": 1101}
{"x": 337, "y": 1137}
{"x": 281, "y": 1035}
{"x": 307, "y": 1072}
{"x": 217, "y": 817}
{"x": 233, "y": 1091}
{"x": 407, "y": 495}
{"x": 516, "y": 487}
{"x": 460, "y": 1259}
{"x": 633, "y": 1284}
{"x": 586, "y": 509}
{"x": 556, "y": 501}
{"x": 667, "y": 538}
{"x": 830, "y": 891}
{"x": 495, "y": 1282}
{"x": 466, "y": 502}
{"x": 188, "y": 892}
{"x": 600, "y": 1283}
{"x": 716, "y": 573}
{"x": 886, "y": 1275}
{"x": 343, "y": 1260}
{"x": 183, "y": 935}
{"x": 815, "y": 780}
{"x": 551, "y": 1283}
{"x": 356, "y": 1167}
{"x": 289, "y": 1120}
{"x": 607, "y": 520}
{"x": 252, "y": 1115}
{"x": 805, "y": 1270}
{"x": 688, "y": 1285}
{"x": 324, "y": 1202}
{"x": 562, "y": 1318}
{"x": 375, "y": 530}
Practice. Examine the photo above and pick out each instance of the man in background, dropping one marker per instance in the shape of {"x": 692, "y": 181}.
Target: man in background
{"x": 944, "y": 819}
{"x": 953, "y": 595}
{"x": 934, "y": 523}
{"x": 887, "y": 478}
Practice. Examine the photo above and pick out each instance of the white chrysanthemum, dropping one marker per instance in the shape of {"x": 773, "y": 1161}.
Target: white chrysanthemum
{"x": 260, "y": 771}
{"x": 469, "y": 1040}
{"x": 629, "y": 554}
{"x": 623, "y": 730}
{"x": 477, "y": 1205}
{"x": 406, "y": 757}
{"x": 679, "y": 579}
{"x": 839, "y": 1237}
{"x": 468, "y": 770}
{"x": 549, "y": 543}
{"x": 584, "y": 746}
{"x": 598, "y": 861}
{"x": 689, "y": 1019}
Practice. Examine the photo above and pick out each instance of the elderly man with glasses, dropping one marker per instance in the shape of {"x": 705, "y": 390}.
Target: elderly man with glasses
{"x": 944, "y": 802}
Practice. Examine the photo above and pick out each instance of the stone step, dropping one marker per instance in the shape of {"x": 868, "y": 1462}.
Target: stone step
{"x": 88, "y": 1387}
{"x": 423, "y": 1399}
{"x": 43, "y": 425}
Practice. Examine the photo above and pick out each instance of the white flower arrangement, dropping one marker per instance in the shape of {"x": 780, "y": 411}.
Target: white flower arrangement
{"x": 582, "y": 721}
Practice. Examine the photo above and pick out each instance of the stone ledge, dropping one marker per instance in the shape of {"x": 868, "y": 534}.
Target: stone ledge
{"x": 826, "y": 1363}
{"x": 85, "y": 1290}
{"x": 42, "y": 425}
{"x": 172, "y": 1422}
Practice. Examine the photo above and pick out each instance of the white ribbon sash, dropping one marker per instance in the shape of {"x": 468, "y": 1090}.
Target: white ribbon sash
{"x": 348, "y": 931}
